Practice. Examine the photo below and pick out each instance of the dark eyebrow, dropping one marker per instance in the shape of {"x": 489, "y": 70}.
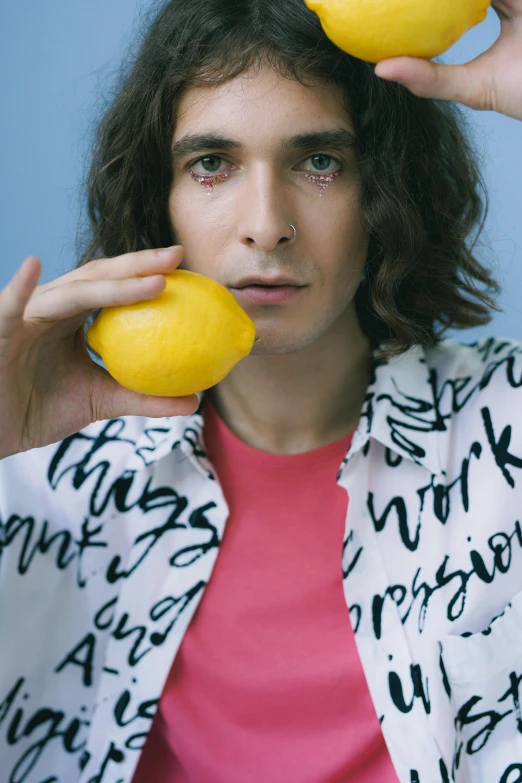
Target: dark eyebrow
{"x": 191, "y": 144}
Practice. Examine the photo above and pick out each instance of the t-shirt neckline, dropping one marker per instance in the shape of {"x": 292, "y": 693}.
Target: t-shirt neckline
{"x": 236, "y": 448}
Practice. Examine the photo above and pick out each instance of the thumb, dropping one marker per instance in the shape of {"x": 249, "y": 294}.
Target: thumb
{"x": 427, "y": 79}
{"x": 110, "y": 400}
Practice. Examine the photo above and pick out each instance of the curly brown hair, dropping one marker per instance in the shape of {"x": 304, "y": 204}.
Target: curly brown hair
{"x": 423, "y": 198}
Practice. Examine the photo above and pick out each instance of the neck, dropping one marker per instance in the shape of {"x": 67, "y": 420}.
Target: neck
{"x": 296, "y": 402}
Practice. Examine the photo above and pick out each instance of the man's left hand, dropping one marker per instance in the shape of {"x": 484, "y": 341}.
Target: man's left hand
{"x": 490, "y": 82}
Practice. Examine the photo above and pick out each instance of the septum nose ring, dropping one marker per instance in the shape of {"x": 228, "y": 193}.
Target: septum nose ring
{"x": 294, "y": 230}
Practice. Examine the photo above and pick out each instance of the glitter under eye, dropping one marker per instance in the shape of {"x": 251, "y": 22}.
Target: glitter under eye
{"x": 323, "y": 180}
{"x": 209, "y": 180}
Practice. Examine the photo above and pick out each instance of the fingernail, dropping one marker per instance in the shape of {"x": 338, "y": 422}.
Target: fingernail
{"x": 168, "y": 251}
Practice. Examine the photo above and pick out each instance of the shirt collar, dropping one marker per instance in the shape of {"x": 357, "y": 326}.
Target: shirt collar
{"x": 400, "y": 411}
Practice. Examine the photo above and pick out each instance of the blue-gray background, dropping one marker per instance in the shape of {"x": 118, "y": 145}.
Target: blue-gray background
{"x": 59, "y": 60}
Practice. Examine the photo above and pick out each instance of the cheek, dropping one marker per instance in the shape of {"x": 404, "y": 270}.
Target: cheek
{"x": 179, "y": 208}
{"x": 191, "y": 217}
{"x": 185, "y": 220}
{"x": 345, "y": 219}
{"x": 358, "y": 240}
{"x": 196, "y": 231}
{"x": 349, "y": 246}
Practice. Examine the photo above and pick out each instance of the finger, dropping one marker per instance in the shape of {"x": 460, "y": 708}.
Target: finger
{"x": 138, "y": 264}
{"x": 82, "y": 297}
{"x": 507, "y": 9}
{"x": 427, "y": 79}
{"x": 142, "y": 263}
{"x": 111, "y": 400}
{"x": 16, "y": 294}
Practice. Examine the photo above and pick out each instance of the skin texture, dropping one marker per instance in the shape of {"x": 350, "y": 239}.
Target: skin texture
{"x": 303, "y": 385}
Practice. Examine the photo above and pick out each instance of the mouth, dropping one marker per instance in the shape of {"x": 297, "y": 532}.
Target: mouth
{"x": 260, "y": 293}
{"x": 267, "y": 282}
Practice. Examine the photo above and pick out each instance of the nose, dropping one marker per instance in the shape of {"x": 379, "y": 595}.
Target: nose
{"x": 266, "y": 212}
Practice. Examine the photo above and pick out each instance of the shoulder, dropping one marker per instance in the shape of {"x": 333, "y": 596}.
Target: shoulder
{"x": 477, "y": 393}
{"x": 107, "y": 445}
{"x": 486, "y": 371}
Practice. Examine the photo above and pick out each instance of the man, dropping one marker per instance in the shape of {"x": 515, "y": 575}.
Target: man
{"x": 317, "y": 574}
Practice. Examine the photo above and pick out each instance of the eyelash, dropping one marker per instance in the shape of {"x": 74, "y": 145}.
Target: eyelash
{"x": 216, "y": 179}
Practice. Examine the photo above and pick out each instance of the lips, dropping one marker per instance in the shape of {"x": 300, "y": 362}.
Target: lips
{"x": 267, "y": 282}
{"x": 268, "y": 294}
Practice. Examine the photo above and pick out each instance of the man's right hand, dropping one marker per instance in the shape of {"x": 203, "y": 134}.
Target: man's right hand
{"x": 49, "y": 385}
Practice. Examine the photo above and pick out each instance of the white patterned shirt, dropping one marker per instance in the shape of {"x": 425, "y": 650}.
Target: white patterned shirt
{"x": 109, "y": 537}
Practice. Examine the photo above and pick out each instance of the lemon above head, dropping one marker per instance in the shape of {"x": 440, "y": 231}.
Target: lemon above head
{"x": 374, "y": 30}
{"x": 183, "y": 341}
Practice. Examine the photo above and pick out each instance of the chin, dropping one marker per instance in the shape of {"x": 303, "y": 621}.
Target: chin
{"x": 277, "y": 345}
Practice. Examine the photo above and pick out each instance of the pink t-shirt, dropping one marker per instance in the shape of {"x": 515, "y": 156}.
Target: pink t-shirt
{"x": 267, "y": 684}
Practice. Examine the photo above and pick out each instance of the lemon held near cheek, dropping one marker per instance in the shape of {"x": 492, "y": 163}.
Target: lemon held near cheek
{"x": 183, "y": 341}
{"x": 374, "y": 30}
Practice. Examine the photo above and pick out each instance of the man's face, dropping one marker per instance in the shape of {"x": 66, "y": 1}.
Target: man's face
{"x": 239, "y": 230}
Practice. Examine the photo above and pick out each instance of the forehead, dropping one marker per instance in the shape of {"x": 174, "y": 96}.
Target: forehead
{"x": 261, "y": 104}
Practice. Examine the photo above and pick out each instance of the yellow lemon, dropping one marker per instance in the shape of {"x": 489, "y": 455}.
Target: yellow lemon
{"x": 373, "y": 30}
{"x": 183, "y": 341}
